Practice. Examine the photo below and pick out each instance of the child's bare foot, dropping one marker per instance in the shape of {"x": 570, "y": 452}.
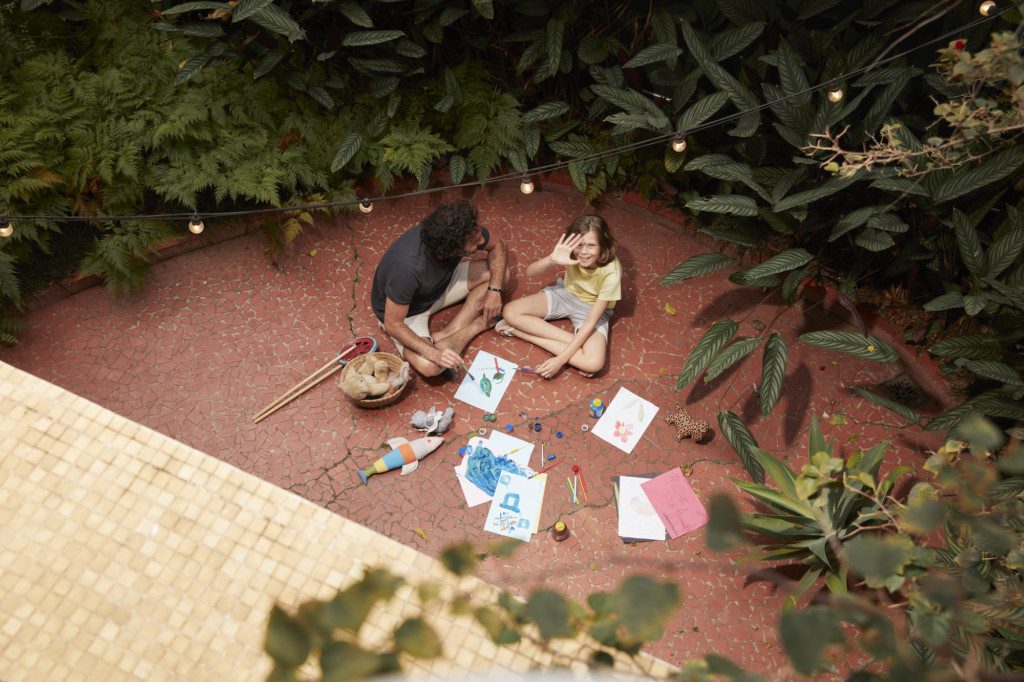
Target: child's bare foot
{"x": 585, "y": 375}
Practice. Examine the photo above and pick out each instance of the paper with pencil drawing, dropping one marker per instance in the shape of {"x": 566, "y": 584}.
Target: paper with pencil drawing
{"x": 676, "y": 503}
{"x": 491, "y": 378}
{"x": 625, "y": 420}
{"x": 637, "y": 518}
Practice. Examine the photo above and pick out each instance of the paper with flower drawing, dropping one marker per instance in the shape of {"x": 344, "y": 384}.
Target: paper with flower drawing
{"x": 625, "y": 420}
{"x": 492, "y": 376}
{"x": 515, "y": 509}
{"x": 676, "y": 503}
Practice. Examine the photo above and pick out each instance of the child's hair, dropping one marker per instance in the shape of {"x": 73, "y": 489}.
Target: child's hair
{"x": 597, "y": 225}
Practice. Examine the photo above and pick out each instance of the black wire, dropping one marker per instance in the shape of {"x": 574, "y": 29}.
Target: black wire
{"x": 539, "y": 170}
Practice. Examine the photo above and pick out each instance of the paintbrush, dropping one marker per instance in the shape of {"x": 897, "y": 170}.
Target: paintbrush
{"x": 463, "y": 365}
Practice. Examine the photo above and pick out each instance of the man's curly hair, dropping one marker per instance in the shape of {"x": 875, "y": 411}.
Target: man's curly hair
{"x": 447, "y": 227}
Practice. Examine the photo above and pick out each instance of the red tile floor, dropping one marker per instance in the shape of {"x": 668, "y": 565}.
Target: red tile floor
{"x": 219, "y": 332}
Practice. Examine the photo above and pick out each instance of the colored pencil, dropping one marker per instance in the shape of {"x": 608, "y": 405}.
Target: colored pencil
{"x": 528, "y": 370}
{"x": 546, "y": 469}
{"x": 583, "y": 484}
{"x": 615, "y": 489}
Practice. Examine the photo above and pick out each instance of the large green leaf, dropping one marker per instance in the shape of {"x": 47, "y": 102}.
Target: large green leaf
{"x": 1006, "y": 249}
{"x": 550, "y": 611}
{"x": 632, "y": 102}
{"x": 990, "y": 170}
{"x": 874, "y": 240}
{"x": 896, "y": 407}
{"x": 868, "y": 348}
{"x": 853, "y": 220}
{"x": 269, "y": 61}
{"x": 545, "y": 111}
{"x": 970, "y": 346}
{"x": 364, "y": 38}
{"x": 729, "y": 356}
{"x": 353, "y": 141}
{"x": 792, "y": 76}
{"x": 341, "y": 660}
{"x": 733, "y": 204}
{"x": 743, "y": 442}
{"x": 277, "y": 20}
{"x": 724, "y": 168}
{"x": 992, "y": 370}
{"x": 823, "y": 190}
{"x": 969, "y": 242}
{"x": 697, "y": 266}
{"x": 805, "y": 634}
{"x": 644, "y": 607}
{"x": 416, "y": 638}
{"x": 713, "y": 340}
{"x": 732, "y": 41}
{"x": 287, "y": 641}
{"x": 773, "y": 372}
{"x": 778, "y": 472}
{"x": 702, "y": 110}
{"x": 656, "y": 52}
{"x": 780, "y": 501}
{"x": 190, "y": 68}
{"x": 741, "y": 95}
{"x": 783, "y": 262}
{"x": 247, "y": 8}
{"x": 945, "y": 302}
{"x": 193, "y": 6}
{"x": 355, "y": 13}
{"x": 725, "y": 529}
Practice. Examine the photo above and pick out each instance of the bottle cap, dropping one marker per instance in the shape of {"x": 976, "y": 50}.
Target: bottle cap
{"x": 559, "y": 526}
{"x": 596, "y": 402}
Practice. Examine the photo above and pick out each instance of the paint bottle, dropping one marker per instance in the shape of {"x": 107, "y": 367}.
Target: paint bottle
{"x": 560, "y": 531}
{"x": 596, "y": 408}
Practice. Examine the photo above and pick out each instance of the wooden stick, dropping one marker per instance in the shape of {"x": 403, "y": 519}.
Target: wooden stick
{"x": 301, "y": 387}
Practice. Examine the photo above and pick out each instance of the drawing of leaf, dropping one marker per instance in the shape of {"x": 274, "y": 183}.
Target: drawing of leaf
{"x": 485, "y": 386}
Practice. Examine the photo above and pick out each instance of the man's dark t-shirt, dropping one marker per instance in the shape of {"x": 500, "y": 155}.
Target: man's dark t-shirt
{"x": 408, "y": 274}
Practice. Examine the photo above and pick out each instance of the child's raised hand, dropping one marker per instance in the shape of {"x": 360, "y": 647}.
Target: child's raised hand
{"x": 562, "y": 253}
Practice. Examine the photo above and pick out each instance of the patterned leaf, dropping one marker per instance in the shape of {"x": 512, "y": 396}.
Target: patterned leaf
{"x": 1014, "y": 295}
{"x": 713, "y": 340}
{"x": 820, "y": 192}
{"x": 985, "y": 404}
{"x": 408, "y": 48}
{"x": 697, "y": 266}
{"x": 653, "y": 53}
{"x": 792, "y": 76}
{"x": 191, "y": 67}
{"x": 632, "y": 102}
{"x": 945, "y": 302}
{"x": 892, "y": 405}
{"x": 702, "y": 110}
{"x": 485, "y": 8}
{"x": 545, "y": 111}
{"x": 991, "y": 170}
{"x": 729, "y": 356}
{"x": 356, "y": 14}
{"x": 202, "y": 30}
{"x": 783, "y": 262}
{"x": 970, "y": 346}
{"x": 725, "y": 44}
{"x": 874, "y": 240}
{"x": 457, "y": 168}
{"x": 992, "y": 370}
{"x": 1006, "y": 249}
{"x": 321, "y": 96}
{"x": 363, "y": 38}
{"x": 773, "y": 372}
{"x": 890, "y": 222}
{"x": 733, "y": 204}
{"x": 269, "y": 61}
{"x": 902, "y": 185}
{"x": 353, "y": 141}
{"x": 531, "y": 140}
{"x": 572, "y": 149}
{"x": 578, "y": 175}
{"x": 969, "y": 242}
{"x": 192, "y": 7}
{"x": 868, "y": 348}
{"x": 247, "y": 8}
{"x": 554, "y": 37}
{"x": 277, "y": 20}
{"x": 382, "y": 87}
{"x": 792, "y": 285}
{"x": 743, "y": 442}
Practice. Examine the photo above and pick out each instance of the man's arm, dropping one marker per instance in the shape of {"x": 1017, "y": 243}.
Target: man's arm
{"x": 497, "y": 258}
{"x": 395, "y": 326}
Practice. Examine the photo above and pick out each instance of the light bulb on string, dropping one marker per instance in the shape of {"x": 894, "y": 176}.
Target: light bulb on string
{"x": 835, "y": 94}
{"x": 679, "y": 144}
{"x": 195, "y": 226}
{"x": 8, "y": 229}
{"x": 985, "y": 8}
{"x": 365, "y": 205}
{"x": 526, "y": 186}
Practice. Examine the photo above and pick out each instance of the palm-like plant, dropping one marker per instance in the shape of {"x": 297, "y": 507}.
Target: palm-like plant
{"x": 808, "y": 516}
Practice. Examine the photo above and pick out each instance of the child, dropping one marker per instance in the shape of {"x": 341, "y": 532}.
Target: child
{"x": 586, "y": 295}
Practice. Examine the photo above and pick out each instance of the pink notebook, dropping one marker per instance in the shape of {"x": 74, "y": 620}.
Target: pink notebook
{"x": 675, "y": 503}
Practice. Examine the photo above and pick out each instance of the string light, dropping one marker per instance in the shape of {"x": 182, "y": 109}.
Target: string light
{"x": 526, "y": 186}
{"x": 834, "y": 94}
{"x": 8, "y": 229}
{"x": 679, "y": 144}
{"x": 195, "y": 226}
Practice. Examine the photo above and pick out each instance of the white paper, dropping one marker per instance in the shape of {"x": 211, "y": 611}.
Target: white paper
{"x": 637, "y": 518}
{"x": 625, "y": 420}
{"x": 516, "y": 506}
{"x": 483, "y": 365}
{"x": 500, "y": 444}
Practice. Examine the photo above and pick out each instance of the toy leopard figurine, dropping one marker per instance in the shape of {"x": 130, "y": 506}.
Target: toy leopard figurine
{"x": 687, "y": 426}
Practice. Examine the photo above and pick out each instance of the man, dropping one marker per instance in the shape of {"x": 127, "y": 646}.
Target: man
{"x": 424, "y": 271}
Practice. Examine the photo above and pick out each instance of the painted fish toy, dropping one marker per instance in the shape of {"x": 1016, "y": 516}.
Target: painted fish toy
{"x": 405, "y": 454}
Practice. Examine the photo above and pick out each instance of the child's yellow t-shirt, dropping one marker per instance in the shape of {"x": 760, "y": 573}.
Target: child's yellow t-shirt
{"x": 601, "y": 283}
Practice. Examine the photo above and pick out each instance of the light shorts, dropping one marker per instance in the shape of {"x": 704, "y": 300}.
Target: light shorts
{"x": 562, "y": 303}
{"x": 457, "y": 291}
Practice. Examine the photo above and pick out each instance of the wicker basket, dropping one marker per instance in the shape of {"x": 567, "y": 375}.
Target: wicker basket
{"x": 394, "y": 363}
